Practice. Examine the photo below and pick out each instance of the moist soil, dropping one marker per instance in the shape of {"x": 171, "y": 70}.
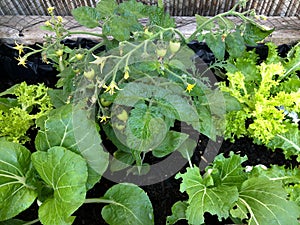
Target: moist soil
{"x": 163, "y": 194}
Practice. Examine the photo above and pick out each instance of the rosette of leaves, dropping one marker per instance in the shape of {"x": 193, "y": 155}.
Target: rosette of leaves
{"x": 18, "y": 112}
{"x": 262, "y": 90}
{"x": 227, "y": 190}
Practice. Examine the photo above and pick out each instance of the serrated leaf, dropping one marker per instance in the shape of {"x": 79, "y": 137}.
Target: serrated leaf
{"x": 265, "y": 202}
{"x": 235, "y": 44}
{"x": 229, "y": 171}
{"x": 289, "y": 142}
{"x": 16, "y": 194}
{"x": 215, "y": 200}
{"x": 129, "y": 205}
{"x": 66, "y": 173}
{"x": 254, "y": 34}
{"x": 200, "y": 20}
{"x": 87, "y": 16}
{"x": 106, "y": 7}
{"x": 173, "y": 140}
{"x": 178, "y": 212}
{"x": 216, "y": 44}
{"x": 69, "y": 127}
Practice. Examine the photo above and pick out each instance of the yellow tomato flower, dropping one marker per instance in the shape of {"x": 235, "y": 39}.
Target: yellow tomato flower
{"x": 103, "y": 118}
{"x": 111, "y": 88}
{"x": 22, "y": 61}
{"x": 50, "y": 10}
{"x": 190, "y": 87}
{"x": 59, "y": 19}
{"x": 126, "y": 72}
{"x": 48, "y": 24}
{"x": 19, "y": 48}
{"x": 99, "y": 61}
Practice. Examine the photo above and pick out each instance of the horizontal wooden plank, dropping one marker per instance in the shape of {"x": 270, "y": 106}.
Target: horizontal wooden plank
{"x": 26, "y": 29}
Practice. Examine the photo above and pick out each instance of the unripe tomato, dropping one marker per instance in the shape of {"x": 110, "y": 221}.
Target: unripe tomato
{"x": 79, "y": 56}
{"x": 174, "y": 46}
{"x": 89, "y": 74}
{"x": 59, "y": 52}
{"x": 104, "y": 102}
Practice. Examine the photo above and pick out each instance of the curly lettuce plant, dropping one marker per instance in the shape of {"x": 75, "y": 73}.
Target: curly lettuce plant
{"x": 268, "y": 93}
{"x": 19, "y": 113}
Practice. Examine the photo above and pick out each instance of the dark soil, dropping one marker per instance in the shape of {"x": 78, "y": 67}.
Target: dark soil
{"x": 162, "y": 195}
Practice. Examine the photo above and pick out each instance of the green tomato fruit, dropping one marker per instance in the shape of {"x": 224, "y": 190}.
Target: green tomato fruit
{"x": 104, "y": 102}
{"x": 174, "y": 46}
{"x": 89, "y": 74}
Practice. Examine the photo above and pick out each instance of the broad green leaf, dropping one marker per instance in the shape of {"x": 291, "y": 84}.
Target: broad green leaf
{"x": 229, "y": 171}
{"x": 58, "y": 97}
{"x": 129, "y": 205}
{"x": 215, "y": 200}
{"x": 265, "y": 203}
{"x": 106, "y": 7}
{"x": 216, "y": 44}
{"x": 69, "y": 127}
{"x": 66, "y": 173}
{"x": 16, "y": 192}
{"x": 235, "y": 44}
{"x": 289, "y": 142}
{"x": 178, "y": 212}
{"x": 87, "y": 16}
{"x": 173, "y": 140}
{"x": 10, "y": 91}
{"x": 253, "y": 34}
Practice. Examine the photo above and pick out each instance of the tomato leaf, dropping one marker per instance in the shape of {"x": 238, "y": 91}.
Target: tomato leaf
{"x": 87, "y": 16}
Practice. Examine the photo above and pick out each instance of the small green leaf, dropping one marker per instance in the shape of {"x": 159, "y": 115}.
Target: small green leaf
{"x": 216, "y": 44}
{"x": 66, "y": 173}
{"x": 16, "y": 194}
{"x": 7, "y": 103}
{"x": 187, "y": 148}
{"x": 129, "y": 205}
{"x": 201, "y": 20}
{"x": 229, "y": 171}
{"x": 121, "y": 160}
{"x": 70, "y": 127}
{"x": 215, "y": 200}
{"x": 235, "y": 44}
{"x": 253, "y": 34}
{"x": 87, "y": 16}
{"x": 178, "y": 212}
{"x": 265, "y": 203}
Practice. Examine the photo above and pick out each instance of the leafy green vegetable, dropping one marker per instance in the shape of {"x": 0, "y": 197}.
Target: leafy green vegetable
{"x": 87, "y": 16}
{"x": 203, "y": 197}
{"x": 15, "y": 179}
{"x": 261, "y": 90}
{"x": 265, "y": 202}
{"x": 70, "y": 127}
{"x": 66, "y": 173}
{"x": 226, "y": 189}
{"x": 17, "y": 115}
{"x": 178, "y": 212}
{"x": 129, "y": 204}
